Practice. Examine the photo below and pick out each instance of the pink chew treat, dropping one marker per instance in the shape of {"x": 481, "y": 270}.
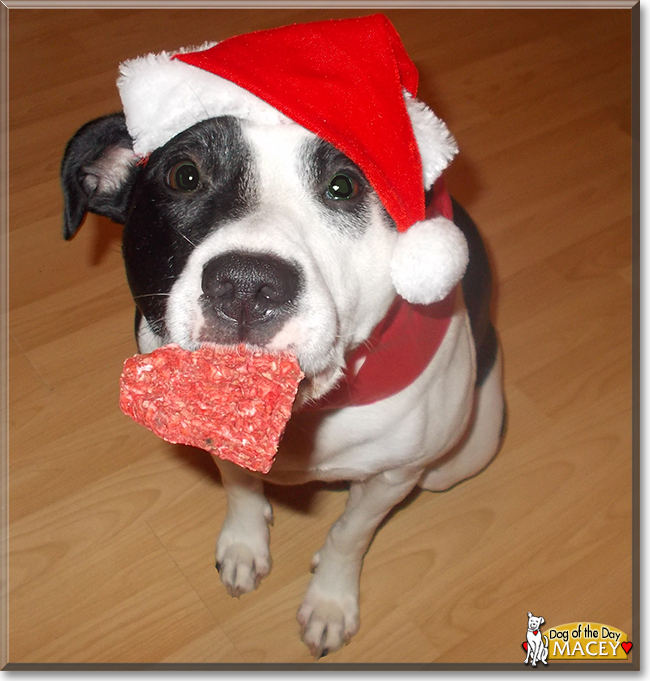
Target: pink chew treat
{"x": 232, "y": 401}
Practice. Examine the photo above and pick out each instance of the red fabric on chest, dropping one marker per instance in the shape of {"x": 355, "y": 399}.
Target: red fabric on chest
{"x": 401, "y": 346}
{"x": 398, "y": 351}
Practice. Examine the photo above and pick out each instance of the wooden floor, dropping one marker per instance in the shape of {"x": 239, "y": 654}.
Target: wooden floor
{"x": 112, "y": 531}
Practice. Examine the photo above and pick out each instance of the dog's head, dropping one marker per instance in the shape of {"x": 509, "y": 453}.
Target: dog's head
{"x": 534, "y": 623}
{"x": 245, "y": 229}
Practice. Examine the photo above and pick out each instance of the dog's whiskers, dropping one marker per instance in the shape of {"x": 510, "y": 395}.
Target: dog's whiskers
{"x": 150, "y": 295}
{"x": 189, "y": 241}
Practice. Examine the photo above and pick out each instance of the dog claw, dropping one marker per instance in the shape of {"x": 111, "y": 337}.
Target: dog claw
{"x": 241, "y": 570}
{"x": 327, "y": 625}
{"x": 322, "y": 650}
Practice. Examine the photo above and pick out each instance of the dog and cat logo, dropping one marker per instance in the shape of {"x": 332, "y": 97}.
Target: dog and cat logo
{"x": 576, "y": 641}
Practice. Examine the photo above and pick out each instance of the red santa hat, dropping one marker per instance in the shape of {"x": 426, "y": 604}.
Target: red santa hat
{"x": 349, "y": 81}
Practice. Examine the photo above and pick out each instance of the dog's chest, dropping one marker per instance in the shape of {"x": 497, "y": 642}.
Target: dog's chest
{"x": 411, "y": 428}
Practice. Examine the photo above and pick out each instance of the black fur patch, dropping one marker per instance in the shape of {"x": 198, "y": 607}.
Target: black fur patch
{"x": 477, "y": 291}
{"x": 165, "y": 224}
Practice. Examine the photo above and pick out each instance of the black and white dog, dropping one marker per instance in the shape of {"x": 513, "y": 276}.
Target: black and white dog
{"x": 236, "y": 231}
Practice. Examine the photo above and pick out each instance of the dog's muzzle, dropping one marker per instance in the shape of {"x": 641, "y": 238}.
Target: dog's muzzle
{"x": 247, "y": 297}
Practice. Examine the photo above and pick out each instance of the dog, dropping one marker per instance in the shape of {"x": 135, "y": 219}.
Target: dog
{"x": 537, "y": 651}
{"x": 240, "y": 231}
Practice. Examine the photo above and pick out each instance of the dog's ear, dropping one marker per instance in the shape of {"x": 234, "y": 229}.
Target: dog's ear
{"x": 530, "y": 614}
{"x": 542, "y": 620}
{"x": 98, "y": 172}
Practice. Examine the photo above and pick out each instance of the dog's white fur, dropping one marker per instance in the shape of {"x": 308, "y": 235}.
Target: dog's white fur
{"x": 436, "y": 432}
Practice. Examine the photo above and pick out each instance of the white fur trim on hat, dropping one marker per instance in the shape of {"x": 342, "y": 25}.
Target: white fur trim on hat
{"x": 162, "y": 97}
{"x": 436, "y": 144}
{"x": 429, "y": 259}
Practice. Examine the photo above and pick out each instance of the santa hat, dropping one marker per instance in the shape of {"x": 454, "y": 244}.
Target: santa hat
{"x": 349, "y": 81}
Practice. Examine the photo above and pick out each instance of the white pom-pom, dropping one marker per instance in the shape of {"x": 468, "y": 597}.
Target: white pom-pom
{"x": 429, "y": 259}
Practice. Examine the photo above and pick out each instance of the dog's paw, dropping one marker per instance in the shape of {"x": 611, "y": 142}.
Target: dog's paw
{"x": 241, "y": 568}
{"x": 328, "y": 621}
{"x": 242, "y": 555}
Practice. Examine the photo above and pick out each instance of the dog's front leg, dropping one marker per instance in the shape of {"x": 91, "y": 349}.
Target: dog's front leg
{"x": 242, "y": 555}
{"x": 534, "y": 655}
{"x": 329, "y": 614}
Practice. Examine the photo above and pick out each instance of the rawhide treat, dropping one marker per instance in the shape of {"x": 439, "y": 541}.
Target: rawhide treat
{"x": 231, "y": 401}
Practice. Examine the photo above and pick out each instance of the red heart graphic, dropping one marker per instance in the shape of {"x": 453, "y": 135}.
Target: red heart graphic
{"x": 627, "y": 646}
{"x": 524, "y": 645}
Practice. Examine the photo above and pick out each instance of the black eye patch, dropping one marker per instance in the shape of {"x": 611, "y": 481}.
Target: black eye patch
{"x": 339, "y": 185}
{"x": 200, "y": 180}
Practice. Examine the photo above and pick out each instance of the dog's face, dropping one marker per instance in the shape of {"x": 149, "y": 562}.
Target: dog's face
{"x": 267, "y": 235}
{"x": 534, "y": 623}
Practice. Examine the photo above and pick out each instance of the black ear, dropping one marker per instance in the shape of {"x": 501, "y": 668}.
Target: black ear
{"x": 98, "y": 172}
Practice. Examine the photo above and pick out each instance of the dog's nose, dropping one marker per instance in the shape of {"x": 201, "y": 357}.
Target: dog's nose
{"x": 250, "y": 289}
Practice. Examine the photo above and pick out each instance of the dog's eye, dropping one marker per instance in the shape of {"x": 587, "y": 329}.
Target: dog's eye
{"x": 342, "y": 186}
{"x": 184, "y": 177}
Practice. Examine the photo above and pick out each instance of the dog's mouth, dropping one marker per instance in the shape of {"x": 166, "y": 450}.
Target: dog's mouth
{"x": 312, "y": 388}
{"x": 319, "y": 377}
{"x": 312, "y": 336}
{"x": 323, "y": 368}
{"x": 321, "y": 356}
